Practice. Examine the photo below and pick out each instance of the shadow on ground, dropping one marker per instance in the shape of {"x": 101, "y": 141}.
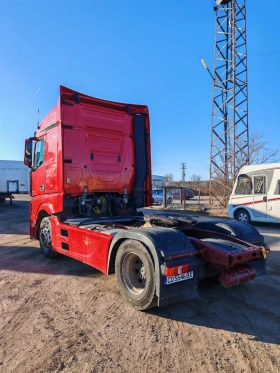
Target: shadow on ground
{"x": 29, "y": 259}
{"x": 252, "y": 308}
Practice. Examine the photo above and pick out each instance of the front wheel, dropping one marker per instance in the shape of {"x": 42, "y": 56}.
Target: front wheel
{"x": 45, "y": 237}
{"x": 136, "y": 275}
{"x": 243, "y": 216}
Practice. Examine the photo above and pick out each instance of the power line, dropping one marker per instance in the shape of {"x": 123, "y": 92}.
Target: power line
{"x": 189, "y": 161}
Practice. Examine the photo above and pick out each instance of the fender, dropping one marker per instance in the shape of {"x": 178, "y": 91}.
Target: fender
{"x": 48, "y": 207}
{"x": 50, "y": 203}
{"x": 162, "y": 242}
{"x": 242, "y": 207}
{"x": 35, "y": 213}
{"x": 233, "y": 228}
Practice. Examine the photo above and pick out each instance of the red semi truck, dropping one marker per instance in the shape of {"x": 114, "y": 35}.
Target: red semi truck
{"x": 90, "y": 162}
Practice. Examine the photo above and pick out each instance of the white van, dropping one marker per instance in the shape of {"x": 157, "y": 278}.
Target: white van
{"x": 256, "y": 194}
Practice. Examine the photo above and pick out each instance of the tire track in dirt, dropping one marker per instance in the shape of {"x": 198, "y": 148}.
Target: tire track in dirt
{"x": 95, "y": 332}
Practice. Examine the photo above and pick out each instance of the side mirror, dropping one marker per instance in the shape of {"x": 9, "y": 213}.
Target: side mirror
{"x": 28, "y": 152}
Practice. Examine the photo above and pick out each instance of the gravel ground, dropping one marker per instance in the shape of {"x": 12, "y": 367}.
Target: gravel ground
{"x": 64, "y": 316}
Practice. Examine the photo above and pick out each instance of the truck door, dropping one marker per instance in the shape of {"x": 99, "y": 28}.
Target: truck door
{"x": 39, "y": 169}
{"x": 12, "y": 186}
{"x": 260, "y": 196}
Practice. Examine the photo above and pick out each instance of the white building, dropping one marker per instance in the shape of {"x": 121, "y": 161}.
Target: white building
{"x": 157, "y": 181}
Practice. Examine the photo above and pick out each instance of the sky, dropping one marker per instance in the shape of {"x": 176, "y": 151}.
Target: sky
{"x": 142, "y": 52}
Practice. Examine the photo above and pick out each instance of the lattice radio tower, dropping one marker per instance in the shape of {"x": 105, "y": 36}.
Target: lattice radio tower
{"x": 230, "y": 134}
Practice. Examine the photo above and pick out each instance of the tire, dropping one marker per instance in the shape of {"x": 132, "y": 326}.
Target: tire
{"x": 243, "y": 216}
{"x": 45, "y": 238}
{"x": 136, "y": 275}
{"x": 153, "y": 201}
{"x": 2, "y": 200}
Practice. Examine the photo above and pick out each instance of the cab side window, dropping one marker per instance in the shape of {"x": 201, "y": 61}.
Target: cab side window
{"x": 39, "y": 153}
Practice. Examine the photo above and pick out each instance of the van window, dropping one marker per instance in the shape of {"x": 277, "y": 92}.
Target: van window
{"x": 259, "y": 185}
{"x": 157, "y": 191}
{"x": 244, "y": 185}
{"x": 277, "y": 190}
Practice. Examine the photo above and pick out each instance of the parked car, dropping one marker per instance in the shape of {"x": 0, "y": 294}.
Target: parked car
{"x": 157, "y": 195}
{"x": 176, "y": 193}
{"x": 189, "y": 193}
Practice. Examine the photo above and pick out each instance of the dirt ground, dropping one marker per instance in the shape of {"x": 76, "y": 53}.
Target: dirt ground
{"x": 64, "y": 316}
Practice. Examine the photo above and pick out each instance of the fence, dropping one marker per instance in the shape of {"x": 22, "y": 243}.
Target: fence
{"x": 179, "y": 197}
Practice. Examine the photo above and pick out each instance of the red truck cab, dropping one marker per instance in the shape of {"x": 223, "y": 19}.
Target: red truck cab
{"x": 91, "y": 158}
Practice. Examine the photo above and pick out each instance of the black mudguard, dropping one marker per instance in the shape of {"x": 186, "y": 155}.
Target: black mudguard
{"x": 165, "y": 242}
{"x": 243, "y": 231}
{"x": 259, "y": 266}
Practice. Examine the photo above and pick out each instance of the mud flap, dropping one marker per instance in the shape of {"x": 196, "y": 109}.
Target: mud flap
{"x": 259, "y": 266}
{"x": 179, "y": 291}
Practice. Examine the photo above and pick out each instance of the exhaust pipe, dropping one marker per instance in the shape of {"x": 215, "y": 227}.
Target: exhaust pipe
{"x": 237, "y": 276}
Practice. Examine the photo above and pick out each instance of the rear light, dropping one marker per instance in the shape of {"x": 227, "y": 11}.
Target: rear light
{"x": 177, "y": 270}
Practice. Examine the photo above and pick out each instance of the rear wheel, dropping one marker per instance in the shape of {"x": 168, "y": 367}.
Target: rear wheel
{"x": 135, "y": 275}
{"x": 243, "y": 216}
{"x": 45, "y": 237}
{"x": 2, "y": 199}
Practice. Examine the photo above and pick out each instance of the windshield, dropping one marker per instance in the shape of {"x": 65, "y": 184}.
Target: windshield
{"x": 157, "y": 191}
{"x": 244, "y": 185}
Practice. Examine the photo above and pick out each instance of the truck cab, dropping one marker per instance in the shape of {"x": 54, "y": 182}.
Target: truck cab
{"x": 89, "y": 158}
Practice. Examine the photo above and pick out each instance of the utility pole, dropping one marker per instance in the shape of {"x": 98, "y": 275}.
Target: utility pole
{"x": 230, "y": 131}
{"x": 183, "y": 168}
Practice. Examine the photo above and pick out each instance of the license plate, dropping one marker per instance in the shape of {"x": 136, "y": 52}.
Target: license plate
{"x": 182, "y": 277}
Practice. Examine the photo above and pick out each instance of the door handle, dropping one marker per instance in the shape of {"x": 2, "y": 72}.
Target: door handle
{"x": 264, "y": 199}
{"x": 42, "y": 187}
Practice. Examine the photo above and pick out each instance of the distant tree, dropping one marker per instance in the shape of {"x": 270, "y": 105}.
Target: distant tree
{"x": 261, "y": 151}
{"x": 195, "y": 181}
{"x": 169, "y": 177}
{"x": 195, "y": 178}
